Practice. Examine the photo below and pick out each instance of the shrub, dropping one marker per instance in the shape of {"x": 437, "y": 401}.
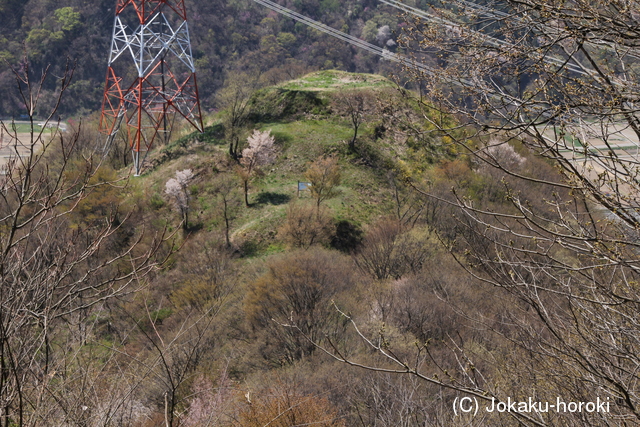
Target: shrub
{"x": 297, "y": 290}
{"x": 306, "y": 225}
{"x": 284, "y": 407}
{"x": 390, "y": 250}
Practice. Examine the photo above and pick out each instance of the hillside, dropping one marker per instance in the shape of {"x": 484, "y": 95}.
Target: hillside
{"x": 209, "y": 292}
{"x": 288, "y": 259}
{"x": 453, "y": 245}
{"x": 371, "y": 248}
{"x": 299, "y": 115}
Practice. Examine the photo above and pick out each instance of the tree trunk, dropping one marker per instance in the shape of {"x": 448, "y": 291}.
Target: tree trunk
{"x": 226, "y": 223}
{"x": 233, "y": 148}
{"x": 246, "y": 192}
{"x": 352, "y": 143}
{"x": 185, "y": 219}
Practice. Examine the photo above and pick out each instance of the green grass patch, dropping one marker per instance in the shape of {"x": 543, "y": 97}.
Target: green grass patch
{"x": 306, "y": 140}
{"x": 334, "y": 79}
{"x": 159, "y": 315}
{"x": 24, "y": 127}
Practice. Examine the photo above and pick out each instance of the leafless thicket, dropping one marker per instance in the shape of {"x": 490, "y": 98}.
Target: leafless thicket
{"x": 562, "y": 78}
{"x": 58, "y": 270}
{"x": 559, "y": 78}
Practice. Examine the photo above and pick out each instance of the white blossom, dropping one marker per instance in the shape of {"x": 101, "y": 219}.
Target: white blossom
{"x": 178, "y": 190}
{"x": 261, "y": 150}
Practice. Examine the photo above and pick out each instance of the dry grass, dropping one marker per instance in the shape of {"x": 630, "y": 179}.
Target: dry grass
{"x": 17, "y": 144}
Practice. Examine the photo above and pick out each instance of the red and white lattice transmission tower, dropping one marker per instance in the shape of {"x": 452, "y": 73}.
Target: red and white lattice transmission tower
{"x": 153, "y": 36}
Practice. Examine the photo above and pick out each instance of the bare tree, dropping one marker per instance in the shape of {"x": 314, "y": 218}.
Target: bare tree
{"x": 410, "y": 204}
{"x": 229, "y": 203}
{"x": 390, "y": 250}
{"x": 356, "y": 105}
{"x": 324, "y": 176}
{"x": 174, "y": 353}
{"x": 306, "y": 226}
{"x": 297, "y": 288}
{"x": 234, "y": 100}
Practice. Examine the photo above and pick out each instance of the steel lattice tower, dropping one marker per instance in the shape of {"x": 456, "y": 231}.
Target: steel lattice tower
{"x": 152, "y": 35}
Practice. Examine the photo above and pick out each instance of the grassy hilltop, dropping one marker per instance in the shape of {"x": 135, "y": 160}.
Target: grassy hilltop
{"x": 300, "y": 115}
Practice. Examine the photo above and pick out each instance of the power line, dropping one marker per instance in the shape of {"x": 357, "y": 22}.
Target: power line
{"x": 386, "y": 54}
{"x": 411, "y": 63}
{"x": 499, "y": 15}
{"x": 491, "y": 41}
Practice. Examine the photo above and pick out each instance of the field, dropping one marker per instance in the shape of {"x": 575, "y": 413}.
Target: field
{"x": 15, "y": 138}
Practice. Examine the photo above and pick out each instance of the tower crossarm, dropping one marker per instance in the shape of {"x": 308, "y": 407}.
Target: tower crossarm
{"x": 146, "y": 45}
{"x": 146, "y": 8}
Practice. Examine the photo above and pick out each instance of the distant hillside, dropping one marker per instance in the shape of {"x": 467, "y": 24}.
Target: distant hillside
{"x": 236, "y": 35}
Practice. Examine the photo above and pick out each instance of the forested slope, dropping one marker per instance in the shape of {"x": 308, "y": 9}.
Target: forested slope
{"x": 225, "y": 35}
